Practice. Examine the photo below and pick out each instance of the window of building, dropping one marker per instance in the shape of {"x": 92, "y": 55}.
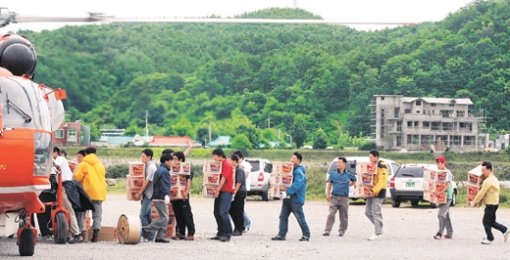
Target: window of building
{"x": 418, "y": 102}
{"x": 418, "y": 111}
{"x": 469, "y": 140}
{"x": 399, "y": 126}
{"x": 445, "y": 113}
{"x": 436, "y": 126}
{"x": 426, "y": 124}
{"x": 382, "y": 98}
{"x": 399, "y": 141}
{"x": 71, "y": 135}
{"x": 447, "y": 126}
{"x": 462, "y": 125}
{"x": 426, "y": 139}
{"x": 416, "y": 139}
{"x": 409, "y": 139}
{"x": 456, "y": 139}
{"x": 59, "y": 134}
{"x": 396, "y": 112}
{"x": 409, "y": 124}
{"x": 407, "y": 111}
{"x": 416, "y": 124}
{"x": 460, "y": 113}
{"x": 433, "y": 104}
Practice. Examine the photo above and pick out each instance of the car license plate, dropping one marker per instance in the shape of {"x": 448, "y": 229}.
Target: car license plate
{"x": 410, "y": 184}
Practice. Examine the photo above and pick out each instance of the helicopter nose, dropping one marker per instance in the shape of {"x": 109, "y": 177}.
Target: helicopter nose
{"x": 19, "y": 59}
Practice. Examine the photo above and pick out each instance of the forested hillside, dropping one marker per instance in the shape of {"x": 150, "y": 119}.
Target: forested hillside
{"x": 304, "y": 80}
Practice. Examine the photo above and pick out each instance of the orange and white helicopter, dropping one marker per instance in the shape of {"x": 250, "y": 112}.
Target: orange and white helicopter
{"x": 29, "y": 112}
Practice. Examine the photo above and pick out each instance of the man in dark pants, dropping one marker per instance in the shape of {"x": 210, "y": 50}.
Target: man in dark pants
{"x": 293, "y": 201}
{"x": 237, "y": 207}
{"x": 182, "y": 208}
{"x": 223, "y": 197}
{"x": 490, "y": 195}
{"x": 161, "y": 189}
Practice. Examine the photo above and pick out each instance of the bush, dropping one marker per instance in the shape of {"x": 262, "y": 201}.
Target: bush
{"x": 117, "y": 171}
{"x": 368, "y": 146}
{"x": 320, "y": 139}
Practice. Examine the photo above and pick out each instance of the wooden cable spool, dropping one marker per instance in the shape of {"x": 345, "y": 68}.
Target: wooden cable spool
{"x": 128, "y": 230}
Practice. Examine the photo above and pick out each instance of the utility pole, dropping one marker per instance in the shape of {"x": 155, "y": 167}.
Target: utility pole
{"x": 210, "y": 132}
{"x": 146, "y": 123}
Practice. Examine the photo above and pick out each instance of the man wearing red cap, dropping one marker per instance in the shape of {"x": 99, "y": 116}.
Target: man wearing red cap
{"x": 443, "y": 214}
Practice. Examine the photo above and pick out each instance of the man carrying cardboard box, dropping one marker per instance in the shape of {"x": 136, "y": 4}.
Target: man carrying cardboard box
{"x": 373, "y": 208}
{"x": 293, "y": 201}
{"x": 489, "y": 193}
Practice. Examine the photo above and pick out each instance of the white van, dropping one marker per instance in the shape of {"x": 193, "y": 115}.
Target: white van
{"x": 351, "y": 166}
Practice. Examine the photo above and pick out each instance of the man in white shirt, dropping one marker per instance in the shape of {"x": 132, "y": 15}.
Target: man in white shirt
{"x": 60, "y": 163}
{"x": 246, "y": 166}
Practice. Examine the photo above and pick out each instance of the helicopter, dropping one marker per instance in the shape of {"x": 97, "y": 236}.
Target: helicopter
{"x": 29, "y": 113}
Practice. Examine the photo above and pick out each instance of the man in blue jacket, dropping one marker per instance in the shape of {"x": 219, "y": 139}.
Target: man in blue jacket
{"x": 293, "y": 201}
{"x": 160, "y": 191}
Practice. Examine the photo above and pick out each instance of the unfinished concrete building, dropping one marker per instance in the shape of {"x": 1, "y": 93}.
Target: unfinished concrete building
{"x": 424, "y": 124}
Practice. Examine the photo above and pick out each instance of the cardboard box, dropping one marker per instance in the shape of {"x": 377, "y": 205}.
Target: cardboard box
{"x": 471, "y": 192}
{"x": 136, "y": 169}
{"x": 131, "y": 194}
{"x": 365, "y": 191}
{"x": 367, "y": 179}
{"x": 176, "y": 193}
{"x": 208, "y": 190}
{"x": 285, "y": 168}
{"x": 105, "y": 234}
{"x": 435, "y": 175}
{"x": 212, "y": 167}
{"x": 183, "y": 181}
{"x": 170, "y": 231}
{"x": 435, "y": 186}
{"x": 435, "y": 197}
{"x": 286, "y": 180}
{"x": 474, "y": 179}
{"x": 211, "y": 178}
{"x": 134, "y": 182}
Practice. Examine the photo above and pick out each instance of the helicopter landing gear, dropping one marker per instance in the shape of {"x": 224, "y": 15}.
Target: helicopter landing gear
{"x": 27, "y": 235}
{"x": 61, "y": 226}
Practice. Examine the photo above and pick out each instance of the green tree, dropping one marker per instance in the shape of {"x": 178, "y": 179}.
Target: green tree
{"x": 320, "y": 139}
{"x": 241, "y": 142}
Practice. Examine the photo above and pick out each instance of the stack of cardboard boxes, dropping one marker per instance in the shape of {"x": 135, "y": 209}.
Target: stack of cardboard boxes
{"x": 281, "y": 178}
{"x": 474, "y": 182}
{"x": 365, "y": 172}
{"x": 178, "y": 181}
{"x": 135, "y": 179}
{"x": 212, "y": 175}
{"x": 435, "y": 184}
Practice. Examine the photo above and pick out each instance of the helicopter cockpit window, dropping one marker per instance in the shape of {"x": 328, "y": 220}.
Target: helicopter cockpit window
{"x": 42, "y": 159}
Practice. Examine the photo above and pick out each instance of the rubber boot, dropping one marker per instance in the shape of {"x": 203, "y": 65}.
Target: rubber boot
{"x": 95, "y": 235}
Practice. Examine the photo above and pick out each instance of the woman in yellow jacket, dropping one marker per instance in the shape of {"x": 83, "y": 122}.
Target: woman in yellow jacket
{"x": 92, "y": 175}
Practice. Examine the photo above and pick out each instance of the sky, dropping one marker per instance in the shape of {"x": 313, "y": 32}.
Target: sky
{"x": 406, "y": 11}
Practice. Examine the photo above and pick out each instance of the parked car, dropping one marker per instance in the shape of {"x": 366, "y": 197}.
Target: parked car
{"x": 351, "y": 166}
{"x": 260, "y": 177}
{"x": 407, "y": 185}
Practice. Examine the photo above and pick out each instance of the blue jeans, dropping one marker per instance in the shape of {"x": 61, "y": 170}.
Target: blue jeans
{"x": 159, "y": 225}
{"x": 145, "y": 216}
{"x": 221, "y": 209}
{"x": 247, "y": 220}
{"x": 288, "y": 206}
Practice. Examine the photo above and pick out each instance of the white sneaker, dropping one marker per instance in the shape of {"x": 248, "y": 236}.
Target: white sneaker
{"x": 486, "y": 242}
{"x": 505, "y": 235}
{"x": 374, "y": 237}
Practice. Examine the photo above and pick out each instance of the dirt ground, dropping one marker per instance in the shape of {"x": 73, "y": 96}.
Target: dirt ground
{"x": 407, "y": 235}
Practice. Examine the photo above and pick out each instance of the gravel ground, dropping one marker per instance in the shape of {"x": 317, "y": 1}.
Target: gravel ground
{"x": 407, "y": 235}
